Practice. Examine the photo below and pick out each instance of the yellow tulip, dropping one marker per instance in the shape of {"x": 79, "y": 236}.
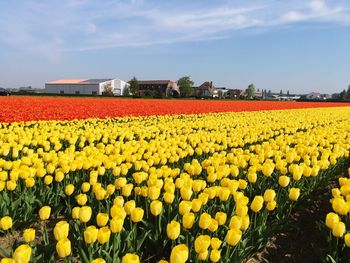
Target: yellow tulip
{"x": 213, "y": 225}
{"x": 294, "y": 194}
{"x": 6, "y": 223}
{"x": 221, "y": 218}
{"x": 90, "y": 234}
{"x": 173, "y": 230}
{"x": 102, "y": 219}
{"x": 44, "y": 212}
{"x": 185, "y": 207}
{"x": 85, "y": 187}
{"x": 85, "y": 213}
{"x": 156, "y": 207}
{"x": 179, "y": 254}
{"x": 130, "y": 258}
{"x": 202, "y": 243}
{"x": 347, "y": 239}
{"x": 270, "y": 206}
{"x": 7, "y": 260}
{"x": 269, "y": 195}
{"x": 29, "y": 235}
{"x": 235, "y": 222}
{"x": 331, "y": 219}
{"x": 215, "y": 243}
{"x": 69, "y": 189}
{"x": 98, "y": 260}
{"x": 283, "y": 180}
{"x": 338, "y": 229}
{"x": 188, "y": 220}
{"x": 75, "y": 212}
{"x": 81, "y": 199}
{"x": 204, "y": 220}
{"x": 103, "y": 235}
{"x": 215, "y": 255}
{"x": 129, "y": 206}
{"x": 48, "y": 179}
{"x": 137, "y": 215}
{"x": 257, "y": 203}
{"x": 116, "y": 224}
{"x": 22, "y": 254}
{"x": 233, "y": 236}
{"x": 61, "y": 230}
{"x": 63, "y": 248}
{"x": 117, "y": 212}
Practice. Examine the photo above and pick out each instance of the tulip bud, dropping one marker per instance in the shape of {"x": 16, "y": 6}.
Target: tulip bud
{"x": 98, "y": 260}
{"x": 29, "y": 235}
{"x": 173, "y": 230}
{"x": 44, "y": 212}
{"x": 22, "y": 253}
{"x": 63, "y": 248}
{"x": 85, "y": 187}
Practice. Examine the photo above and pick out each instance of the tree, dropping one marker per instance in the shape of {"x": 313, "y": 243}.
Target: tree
{"x": 343, "y": 95}
{"x": 250, "y": 91}
{"x": 134, "y": 86}
{"x": 108, "y": 89}
{"x": 348, "y": 92}
{"x": 186, "y": 86}
{"x": 126, "y": 91}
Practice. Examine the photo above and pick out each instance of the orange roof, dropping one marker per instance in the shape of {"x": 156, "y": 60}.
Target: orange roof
{"x": 66, "y": 81}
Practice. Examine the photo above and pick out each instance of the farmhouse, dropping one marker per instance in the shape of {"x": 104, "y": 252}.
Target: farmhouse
{"x": 87, "y": 86}
{"x": 207, "y": 90}
{"x": 165, "y": 88}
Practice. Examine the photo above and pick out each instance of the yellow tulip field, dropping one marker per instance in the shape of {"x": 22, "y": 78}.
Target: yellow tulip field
{"x": 209, "y": 187}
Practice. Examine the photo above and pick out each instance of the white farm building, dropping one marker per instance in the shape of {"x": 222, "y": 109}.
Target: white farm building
{"x": 87, "y": 86}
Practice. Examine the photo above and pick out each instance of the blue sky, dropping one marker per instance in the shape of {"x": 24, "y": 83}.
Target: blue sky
{"x": 295, "y": 45}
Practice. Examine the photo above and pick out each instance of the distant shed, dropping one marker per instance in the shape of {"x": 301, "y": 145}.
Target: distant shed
{"x": 87, "y": 86}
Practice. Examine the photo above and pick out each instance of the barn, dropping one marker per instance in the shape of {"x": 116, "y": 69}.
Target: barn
{"x": 87, "y": 86}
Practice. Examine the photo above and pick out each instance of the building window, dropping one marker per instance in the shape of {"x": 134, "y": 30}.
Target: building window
{"x": 61, "y": 91}
{"x": 77, "y": 92}
{"x": 94, "y": 93}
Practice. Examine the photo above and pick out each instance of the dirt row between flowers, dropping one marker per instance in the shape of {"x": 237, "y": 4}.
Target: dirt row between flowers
{"x": 57, "y": 108}
{"x": 303, "y": 241}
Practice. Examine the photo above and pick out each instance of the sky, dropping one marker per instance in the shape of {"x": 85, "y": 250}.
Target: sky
{"x": 296, "y": 45}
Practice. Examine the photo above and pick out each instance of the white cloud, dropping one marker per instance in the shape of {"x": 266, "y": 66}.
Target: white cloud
{"x": 52, "y": 28}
